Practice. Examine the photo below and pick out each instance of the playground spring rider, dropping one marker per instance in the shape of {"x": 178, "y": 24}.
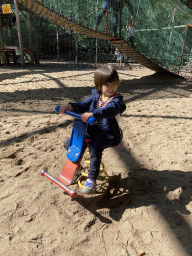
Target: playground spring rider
{"x": 72, "y": 171}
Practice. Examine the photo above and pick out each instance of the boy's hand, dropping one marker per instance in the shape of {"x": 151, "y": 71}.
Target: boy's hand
{"x": 66, "y": 107}
{"x": 85, "y": 116}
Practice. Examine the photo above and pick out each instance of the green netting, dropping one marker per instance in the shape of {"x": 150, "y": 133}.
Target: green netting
{"x": 161, "y": 32}
{"x": 159, "y": 26}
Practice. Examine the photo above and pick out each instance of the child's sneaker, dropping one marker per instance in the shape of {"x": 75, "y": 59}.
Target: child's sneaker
{"x": 90, "y": 187}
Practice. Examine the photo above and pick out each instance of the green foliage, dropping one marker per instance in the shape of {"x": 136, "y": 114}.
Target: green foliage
{"x": 159, "y": 24}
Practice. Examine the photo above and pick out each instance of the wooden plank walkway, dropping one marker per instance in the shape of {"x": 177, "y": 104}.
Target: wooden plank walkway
{"x": 120, "y": 43}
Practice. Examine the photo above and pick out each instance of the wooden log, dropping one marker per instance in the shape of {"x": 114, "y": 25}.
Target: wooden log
{"x": 30, "y": 4}
{"x": 57, "y": 18}
{"x": 49, "y": 14}
{"x": 75, "y": 28}
{"x": 71, "y": 25}
{"x": 53, "y": 16}
{"x": 35, "y": 6}
{"x": 25, "y": 3}
{"x": 79, "y": 29}
{"x": 39, "y": 9}
{"x": 63, "y": 20}
{"x": 44, "y": 12}
{"x": 64, "y": 23}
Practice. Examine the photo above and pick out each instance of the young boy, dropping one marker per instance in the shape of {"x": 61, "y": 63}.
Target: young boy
{"x": 131, "y": 33}
{"x": 104, "y": 104}
{"x": 116, "y": 7}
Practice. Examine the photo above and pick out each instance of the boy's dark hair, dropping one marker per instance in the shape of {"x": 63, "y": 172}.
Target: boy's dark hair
{"x": 105, "y": 74}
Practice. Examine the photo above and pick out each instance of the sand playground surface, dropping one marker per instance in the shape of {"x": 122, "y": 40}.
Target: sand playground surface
{"x": 145, "y": 209}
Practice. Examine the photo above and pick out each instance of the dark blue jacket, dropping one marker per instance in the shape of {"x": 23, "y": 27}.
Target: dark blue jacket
{"x": 109, "y": 128}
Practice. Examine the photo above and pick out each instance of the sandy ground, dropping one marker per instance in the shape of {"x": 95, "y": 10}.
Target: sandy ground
{"x": 145, "y": 209}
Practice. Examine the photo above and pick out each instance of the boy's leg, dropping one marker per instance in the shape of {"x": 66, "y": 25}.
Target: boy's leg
{"x": 105, "y": 7}
{"x": 96, "y": 150}
{"x": 131, "y": 40}
{"x": 95, "y": 161}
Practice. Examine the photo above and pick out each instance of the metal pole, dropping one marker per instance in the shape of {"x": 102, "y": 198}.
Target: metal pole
{"x": 57, "y": 32}
{"x": 3, "y": 56}
{"x": 120, "y": 20}
{"x": 29, "y": 37}
{"x": 36, "y": 41}
{"x": 29, "y": 30}
{"x": 76, "y": 48}
{"x": 179, "y": 67}
{"x": 170, "y": 37}
{"x": 19, "y": 32}
{"x": 96, "y": 57}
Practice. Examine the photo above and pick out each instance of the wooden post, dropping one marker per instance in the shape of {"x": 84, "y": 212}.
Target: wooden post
{"x": 3, "y": 56}
{"x": 106, "y": 23}
{"x": 19, "y": 32}
{"x": 36, "y": 41}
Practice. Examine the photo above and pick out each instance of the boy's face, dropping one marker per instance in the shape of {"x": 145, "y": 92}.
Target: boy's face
{"x": 109, "y": 89}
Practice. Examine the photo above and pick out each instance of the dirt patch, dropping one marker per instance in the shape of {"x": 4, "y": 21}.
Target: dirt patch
{"x": 145, "y": 209}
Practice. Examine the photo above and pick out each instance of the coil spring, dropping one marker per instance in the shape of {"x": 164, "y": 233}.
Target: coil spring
{"x": 102, "y": 173}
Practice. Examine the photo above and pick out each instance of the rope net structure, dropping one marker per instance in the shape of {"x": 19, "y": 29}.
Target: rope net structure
{"x": 154, "y": 33}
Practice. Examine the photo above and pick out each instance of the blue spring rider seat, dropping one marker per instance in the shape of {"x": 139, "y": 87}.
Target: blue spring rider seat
{"x": 72, "y": 171}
